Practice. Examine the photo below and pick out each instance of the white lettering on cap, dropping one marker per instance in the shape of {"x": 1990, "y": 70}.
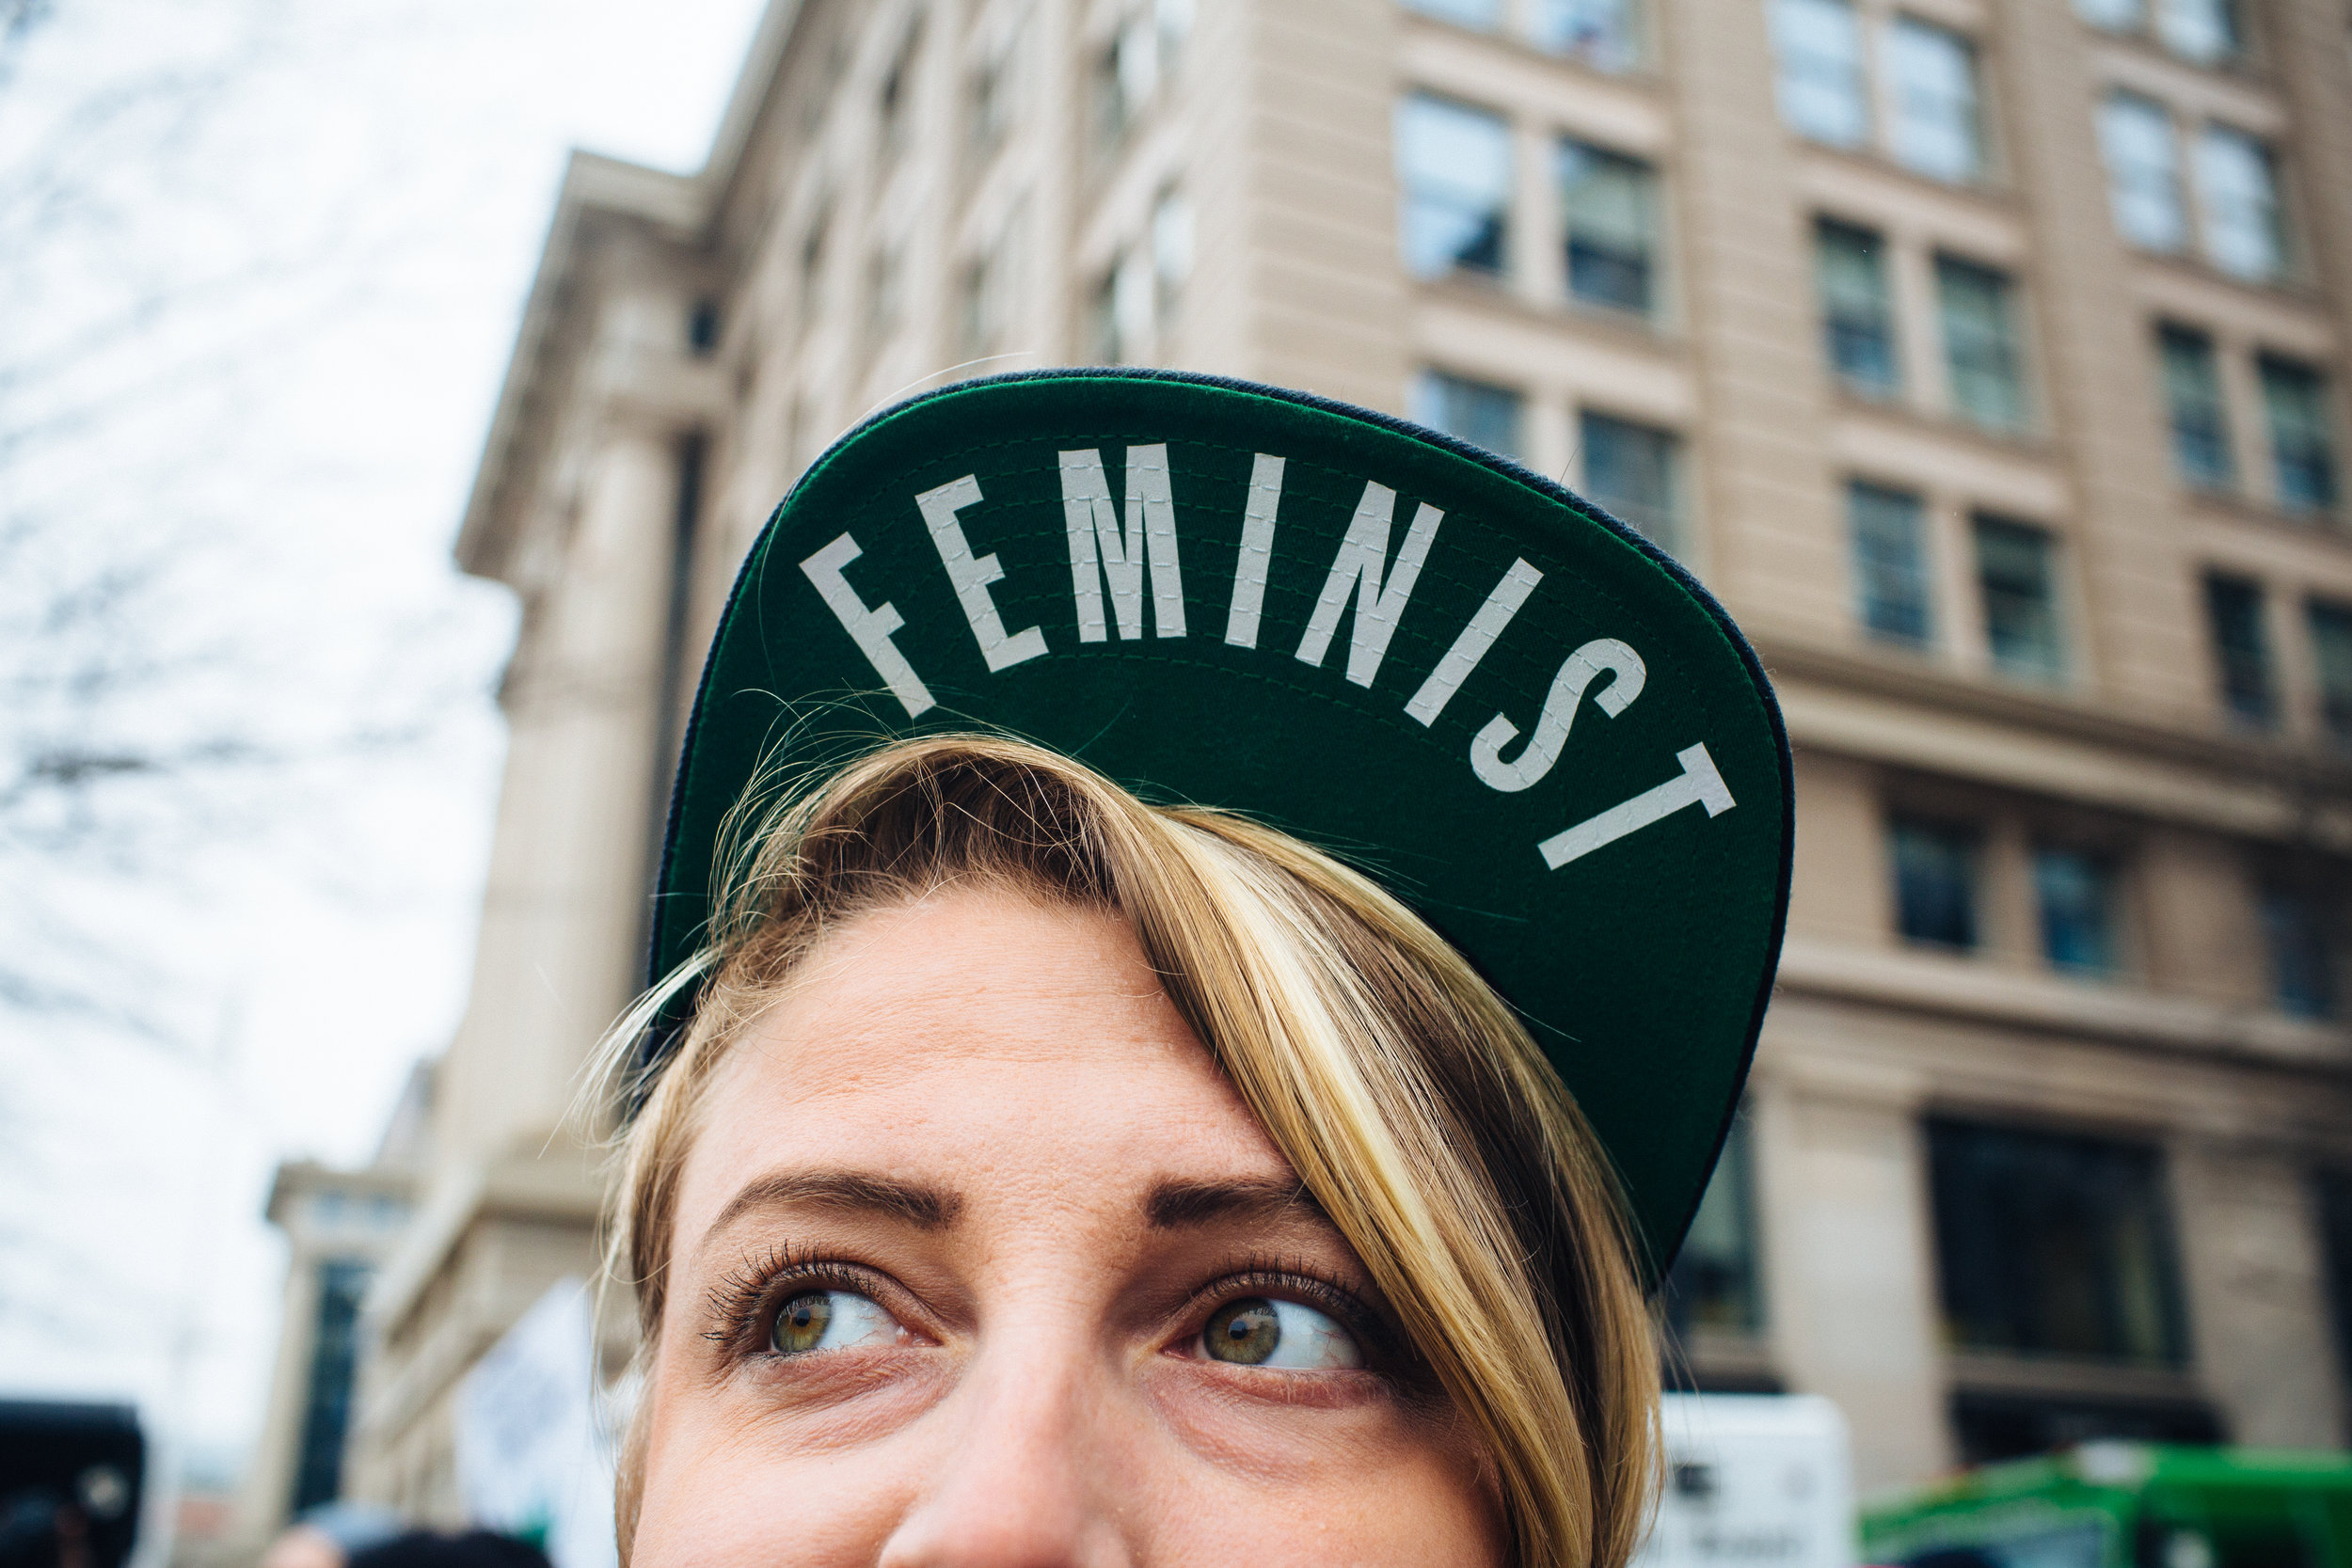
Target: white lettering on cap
{"x": 1469, "y": 648}
{"x": 1699, "y": 786}
{"x": 1105, "y": 546}
{"x": 972, "y": 575}
{"x": 1256, "y": 552}
{"x": 869, "y": 629}
{"x": 1551, "y": 728}
{"x": 1361, "y": 563}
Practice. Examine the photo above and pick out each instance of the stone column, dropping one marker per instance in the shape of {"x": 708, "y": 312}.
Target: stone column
{"x": 2256, "y": 1294}
{"x": 1848, "y": 1272}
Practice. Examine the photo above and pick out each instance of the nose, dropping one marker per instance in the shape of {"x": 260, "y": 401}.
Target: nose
{"x": 1028, "y": 1477}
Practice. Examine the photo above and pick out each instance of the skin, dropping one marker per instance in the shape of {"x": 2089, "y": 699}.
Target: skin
{"x": 983, "y": 1116}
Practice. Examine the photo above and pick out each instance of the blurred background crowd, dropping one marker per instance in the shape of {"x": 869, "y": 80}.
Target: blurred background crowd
{"x": 373, "y": 468}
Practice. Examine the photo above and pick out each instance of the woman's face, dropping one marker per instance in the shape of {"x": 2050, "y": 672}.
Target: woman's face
{"x": 978, "y": 1260}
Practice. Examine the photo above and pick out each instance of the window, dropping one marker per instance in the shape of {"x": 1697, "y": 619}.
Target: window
{"x": 992, "y": 93}
{"x": 1980, "y": 358}
{"x": 1935, "y": 882}
{"x": 2116, "y": 16}
{"x": 1454, "y": 164}
{"x": 1604, "y": 33}
{"x": 1931, "y": 85}
{"x": 897, "y": 95}
{"x": 1630, "y": 469}
{"x": 1171, "y": 264}
{"x": 2016, "y": 580}
{"x": 1857, "y": 312}
{"x": 1817, "y": 47}
{"x": 2206, "y": 31}
{"x": 2335, "y": 1234}
{"x": 1890, "y": 564}
{"x": 327, "y": 1398}
{"x": 2050, "y": 1244}
{"x": 702, "y": 328}
{"x": 1713, "y": 1284}
{"x": 1482, "y": 415}
{"x": 1131, "y": 68}
{"x": 812, "y": 263}
{"x": 2192, "y": 401}
{"x": 2331, "y": 659}
{"x": 2302, "y": 446}
{"x": 2076, "y": 893}
{"x": 2241, "y": 650}
{"x": 2237, "y": 193}
{"x": 885, "y": 291}
{"x": 1609, "y": 204}
{"x": 1482, "y": 14}
{"x": 2143, "y": 171}
{"x": 2302, "y": 970}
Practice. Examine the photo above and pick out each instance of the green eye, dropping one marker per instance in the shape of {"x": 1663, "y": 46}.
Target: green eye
{"x": 1245, "y": 1331}
{"x": 1257, "y": 1331}
{"x": 829, "y": 1320}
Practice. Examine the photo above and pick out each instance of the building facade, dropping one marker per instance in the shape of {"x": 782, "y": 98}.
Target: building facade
{"x": 1986, "y": 357}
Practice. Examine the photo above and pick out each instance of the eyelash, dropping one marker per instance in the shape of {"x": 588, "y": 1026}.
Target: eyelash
{"x": 743, "y": 1306}
{"x": 1294, "y": 1277}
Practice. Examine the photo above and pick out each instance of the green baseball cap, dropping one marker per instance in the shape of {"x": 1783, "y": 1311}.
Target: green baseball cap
{"x": 1521, "y": 717}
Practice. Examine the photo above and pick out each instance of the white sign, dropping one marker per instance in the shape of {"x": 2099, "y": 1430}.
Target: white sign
{"x": 535, "y": 1452}
{"x": 1754, "y": 1480}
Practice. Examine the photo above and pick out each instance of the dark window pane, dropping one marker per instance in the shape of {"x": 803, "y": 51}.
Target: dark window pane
{"x": 2234, "y": 612}
{"x": 1994, "y": 1427}
{"x": 1980, "y": 358}
{"x": 2192, "y": 400}
{"x": 2056, "y": 1246}
{"x": 2331, "y": 656}
{"x": 1609, "y": 203}
{"x": 326, "y": 1401}
{"x": 1453, "y": 164}
{"x": 2335, "y": 1230}
{"x": 2015, "y": 578}
{"x": 2077, "y": 892}
{"x": 1857, "y": 314}
{"x": 1890, "y": 564}
{"x": 2302, "y": 446}
{"x": 1712, "y": 1284}
{"x": 1935, "y": 882}
{"x": 1630, "y": 469}
{"x": 2302, "y": 966}
{"x": 1482, "y": 415}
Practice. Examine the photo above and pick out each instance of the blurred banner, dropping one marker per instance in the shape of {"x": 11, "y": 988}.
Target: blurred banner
{"x": 534, "y": 1449}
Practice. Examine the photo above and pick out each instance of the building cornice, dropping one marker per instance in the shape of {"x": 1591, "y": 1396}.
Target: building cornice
{"x": 675, "y": 207}
{"x": 1889, "y": 712}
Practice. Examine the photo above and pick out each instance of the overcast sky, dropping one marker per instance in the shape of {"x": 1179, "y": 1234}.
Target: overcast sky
{"x": 343, "y": 207}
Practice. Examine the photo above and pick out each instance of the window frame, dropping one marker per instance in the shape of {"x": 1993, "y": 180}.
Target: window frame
{"x": 2056, "y": 670}
{"x": 1869, "y": 567}
{"x": 1670, "y": 522}
{"x": 2010, "y": 343}
{"x": 1409, "y": 196}
{"x": 2223, "y": 475}
{"x": 2260, "y": 659}
{"x": 1879, "y": 254}
{"x": 1648, "y": 184}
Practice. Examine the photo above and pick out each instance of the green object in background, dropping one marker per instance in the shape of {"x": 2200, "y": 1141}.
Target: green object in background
{"x": 2125, "y": 1505}
{"x": 1523, "y": 719}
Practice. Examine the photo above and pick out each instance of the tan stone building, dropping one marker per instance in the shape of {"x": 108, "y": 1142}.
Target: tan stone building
{"x": 1985, "y": 357}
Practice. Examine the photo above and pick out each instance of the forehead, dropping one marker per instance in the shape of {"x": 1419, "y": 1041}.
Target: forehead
{"x": 977, "y": 1038}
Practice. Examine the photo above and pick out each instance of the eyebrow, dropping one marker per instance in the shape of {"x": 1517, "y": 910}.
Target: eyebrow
{"x": 850, "y": 1192}
{"x": 1176, "y": 1205}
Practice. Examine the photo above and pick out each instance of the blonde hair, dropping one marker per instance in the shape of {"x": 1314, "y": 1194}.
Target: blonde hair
{"x": 1410, "y": 1101}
